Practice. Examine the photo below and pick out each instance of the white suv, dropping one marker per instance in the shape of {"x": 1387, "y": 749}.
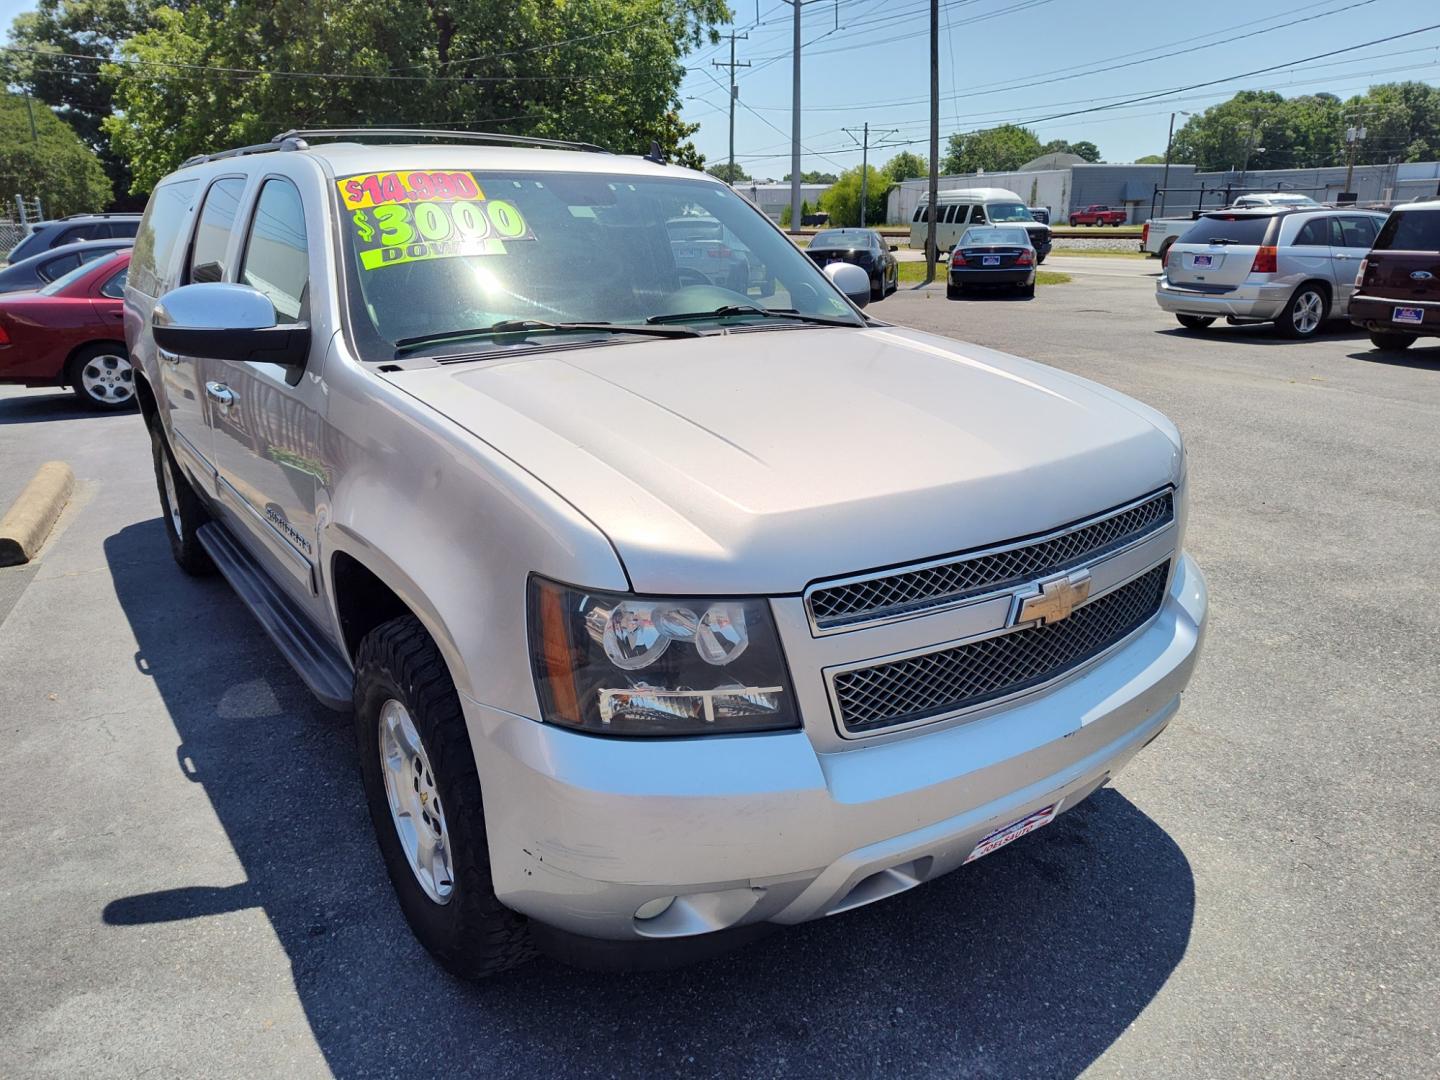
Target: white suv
{"x": 668, "y": 613}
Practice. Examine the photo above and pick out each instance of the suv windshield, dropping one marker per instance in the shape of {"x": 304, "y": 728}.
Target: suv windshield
{"x": 1228, "y": 229}
{"x": 1008, "y": 212}
{"x": 1411, "y": 230}
{"x": 446, "y": 252}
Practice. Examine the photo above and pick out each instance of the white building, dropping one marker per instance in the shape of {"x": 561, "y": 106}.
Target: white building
{"x": 772, "y": 197}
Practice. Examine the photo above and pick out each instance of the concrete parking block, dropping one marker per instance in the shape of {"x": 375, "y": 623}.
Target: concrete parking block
{"x": 30, "y": 518}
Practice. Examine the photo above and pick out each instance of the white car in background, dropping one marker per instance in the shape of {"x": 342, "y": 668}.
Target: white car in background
{"x": 1160, "y": 233}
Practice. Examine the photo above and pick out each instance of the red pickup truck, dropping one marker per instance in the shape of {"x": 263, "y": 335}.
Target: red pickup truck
{"x": 1097, "y": 215}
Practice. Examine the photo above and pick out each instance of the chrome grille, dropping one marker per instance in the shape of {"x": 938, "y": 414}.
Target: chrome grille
{"x": 907, "y": 592}
{"x": 923, "y": 686}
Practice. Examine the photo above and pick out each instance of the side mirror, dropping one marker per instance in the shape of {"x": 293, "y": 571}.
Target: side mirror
{"x": 221, "y": 321}
{"x": 850, "y": 280}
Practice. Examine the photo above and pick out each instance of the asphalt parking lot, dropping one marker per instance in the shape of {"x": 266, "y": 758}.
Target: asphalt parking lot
{"x": 189, "y": 883}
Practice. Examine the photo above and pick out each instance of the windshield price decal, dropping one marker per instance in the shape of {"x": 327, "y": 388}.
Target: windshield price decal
{"x": 396, "y": 233}
{"x": 378, "y": 189}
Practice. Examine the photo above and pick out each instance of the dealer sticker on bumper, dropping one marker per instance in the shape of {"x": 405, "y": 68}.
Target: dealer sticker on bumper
{"x": 1016, "y": 829}
{"x": 1409, "y": 315}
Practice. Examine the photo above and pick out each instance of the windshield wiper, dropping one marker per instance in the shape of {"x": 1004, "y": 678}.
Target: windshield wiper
{"x": 537, "y": 326}
{"x": 788, "y": 314}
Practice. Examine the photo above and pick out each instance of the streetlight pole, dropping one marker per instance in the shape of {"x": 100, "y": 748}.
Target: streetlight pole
{"x": 1165, "y": 178}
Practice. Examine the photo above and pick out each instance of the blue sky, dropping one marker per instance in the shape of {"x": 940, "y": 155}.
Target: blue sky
{"x": 875, "y": 68}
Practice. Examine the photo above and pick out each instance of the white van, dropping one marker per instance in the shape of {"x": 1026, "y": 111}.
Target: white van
{"x": 975, "y": 206}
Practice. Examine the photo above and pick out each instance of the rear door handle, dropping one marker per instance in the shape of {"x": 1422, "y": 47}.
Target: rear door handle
{"x": 220, "y": 393}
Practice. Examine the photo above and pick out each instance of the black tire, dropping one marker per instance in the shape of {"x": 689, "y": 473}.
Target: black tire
{"x": 1040, "y": 259}
{"x": 471, "y": 935}
{"x": 183, "y": 515}
{"x": 1391, "y": 342}
{"x": 102, "y": 377}
{"x": 877, "y": 292}
{"x": 954, "y": 292}
{"x": 1195, "y": 322}
{"x": 1293, "y": 322}
{"x": 1027, "y": 291}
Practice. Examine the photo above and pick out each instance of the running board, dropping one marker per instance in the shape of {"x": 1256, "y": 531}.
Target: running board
{"x": 323, "y": 668}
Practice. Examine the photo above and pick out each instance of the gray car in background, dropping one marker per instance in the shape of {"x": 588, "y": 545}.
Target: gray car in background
{"x": 39, "y": 270}
{"x": 1293, "y": 267}
{"x": 44, "y": 235}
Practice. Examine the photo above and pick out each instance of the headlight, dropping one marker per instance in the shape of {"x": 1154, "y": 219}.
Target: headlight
{"x": 619, "y": 664}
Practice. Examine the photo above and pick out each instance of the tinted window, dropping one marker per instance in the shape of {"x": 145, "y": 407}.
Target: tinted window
{"x": 1314, "y": 233}
{"x": 125, "y": 228}
{"x": 978, "y": 217}
{"x": 66, "y": 280}
{"x": 1411, "y": 230}
{"x": 159, "y": 233}
{"x": 74, "y": 234}
{"x": 1228, "y": 228}
{"x": 920, "y": 212}
{"x": 115, "y": 287}
{"x": 277, "y": 256}
{"x": 1352, "y": 232}
{"x": 57, "y": 267}
{"x": 212, "y": 235}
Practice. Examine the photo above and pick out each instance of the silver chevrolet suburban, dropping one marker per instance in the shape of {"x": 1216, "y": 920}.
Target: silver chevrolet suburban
{"x": 669, "y": 612}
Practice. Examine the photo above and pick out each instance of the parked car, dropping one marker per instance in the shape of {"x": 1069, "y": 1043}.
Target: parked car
{"x": 1397, "y": 294}
{"x": 992, "y": 255}
{"x": 866, "y": 249}
{"x": 44, "y": 235}
{"x": 643, "y": 659}
{"x": 1295, "y": 268}
{"x": 1097, "y": 214}
{"x": 707, "y": 253}
{"x": 69, "y": 333}
{"x": 963, "y": 207}
{"x": 1161, "y": 232}
{"x": 39, "y": 270}
{"x": 1272, "y": 198}
{"x": 820, "y": 217}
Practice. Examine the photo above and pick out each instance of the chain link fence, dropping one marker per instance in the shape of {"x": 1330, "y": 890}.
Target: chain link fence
{"x": 11, "y": 233}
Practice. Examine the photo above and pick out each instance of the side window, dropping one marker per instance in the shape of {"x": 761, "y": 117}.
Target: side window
{"x": 920, "y": 212}
{"x": 160, "y": 233}
{"x": 55, "y": 267}
{"x": 122, "y": 229}
{"x": 212, "y": 235}
{"x": 1356, "y": 232}
{"x": 978, "y": 217}
{"x": 74, "y": 235}
{"x": 1314, "y": 233}
{"x": 115, "y": 287}
{"x": 277, "y": 254}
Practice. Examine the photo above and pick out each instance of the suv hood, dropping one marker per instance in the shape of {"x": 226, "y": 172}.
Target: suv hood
{"x": 758, "y": 461}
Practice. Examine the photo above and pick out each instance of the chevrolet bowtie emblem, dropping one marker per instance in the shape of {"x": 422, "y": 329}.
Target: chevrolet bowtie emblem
{"x": 1056, "y": 599}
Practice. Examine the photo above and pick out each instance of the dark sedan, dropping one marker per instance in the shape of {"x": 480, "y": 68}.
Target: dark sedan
{"x": 992, "y": 255}
{"x": 39, "y": 270}
{"x": 865, "y": 248}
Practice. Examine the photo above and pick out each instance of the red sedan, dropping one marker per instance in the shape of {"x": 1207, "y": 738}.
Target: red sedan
{"x": 70, "y": 334}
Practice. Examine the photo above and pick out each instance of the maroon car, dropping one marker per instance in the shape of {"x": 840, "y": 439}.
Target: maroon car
{"x": 1397, "y": 292}
{"x": 70, "y": 334}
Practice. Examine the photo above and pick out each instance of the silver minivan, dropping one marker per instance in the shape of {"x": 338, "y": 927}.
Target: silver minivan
{"x": 1295, "y": 268}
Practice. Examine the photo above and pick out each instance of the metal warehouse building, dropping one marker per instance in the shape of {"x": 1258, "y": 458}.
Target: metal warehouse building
{"x": 772, "y": 198}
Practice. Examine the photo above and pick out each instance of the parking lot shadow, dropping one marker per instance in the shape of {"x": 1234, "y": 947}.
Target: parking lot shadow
{"x": 61, "y": 405}
{"x": 1030, "y": 962}
{"x": 1414, "y": 357}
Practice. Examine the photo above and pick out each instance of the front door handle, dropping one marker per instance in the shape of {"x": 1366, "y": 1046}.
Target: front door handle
{"x": 220, "y": 393}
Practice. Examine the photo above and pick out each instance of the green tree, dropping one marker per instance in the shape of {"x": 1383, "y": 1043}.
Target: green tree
{"x": 1151, "y": 159}
{"x": 905, "y": 166}
{"x": 842, "y": 200}
{"x": 54, "y": 164}
{"x": 997, "y": 149}
{"x": 724, "y": 172}
{"x": 496, "y": 65}
{"x": 1087, "y": 150}
{"x": 813, "y": 177}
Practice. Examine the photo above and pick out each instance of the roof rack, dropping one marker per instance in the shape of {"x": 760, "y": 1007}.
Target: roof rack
{"x": 304, "y": 134}
{"x": 108, "y": 213}
{"x": 280, "y": 142}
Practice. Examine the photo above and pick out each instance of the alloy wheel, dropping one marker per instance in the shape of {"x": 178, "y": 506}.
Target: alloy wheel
{"x": 108, "y": 379}
{"x": 415, "y": 807}
{"x": 1307, "y": 312}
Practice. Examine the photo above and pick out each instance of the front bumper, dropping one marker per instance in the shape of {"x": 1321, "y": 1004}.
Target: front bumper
{"x": 1246, "y": 301}
{"x": 750, "y": 829}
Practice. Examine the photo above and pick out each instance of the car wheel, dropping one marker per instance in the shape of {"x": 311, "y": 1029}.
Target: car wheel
{"x": 420, "y": 781}
{"x": 1027, "y": 291}
{"x": 1391, "y": 342}
{"x": 954, "y": 292}
{"x": 103, "y": 377}
{"x": 877, "y": 290}
{"x": 1195, "y": 322}
{"x": 180, "y": 508}
{"x": 1305, "y": 313}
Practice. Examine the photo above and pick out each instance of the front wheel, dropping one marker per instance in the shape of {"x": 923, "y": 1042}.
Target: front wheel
{"x": 423, "y": 790}
{"x": 103, "y": 377}
{"x": 1305, "y": 313}
{"x": 181, "y": 509}
{"x": 1391, "y": 342}
{"x": 1195, "y": 322}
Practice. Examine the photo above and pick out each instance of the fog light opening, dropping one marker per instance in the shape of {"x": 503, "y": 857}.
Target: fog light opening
{"x": 653, "y": 909}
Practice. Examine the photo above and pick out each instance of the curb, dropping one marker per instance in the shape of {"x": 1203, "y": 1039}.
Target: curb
{"x": 30, "y": 518}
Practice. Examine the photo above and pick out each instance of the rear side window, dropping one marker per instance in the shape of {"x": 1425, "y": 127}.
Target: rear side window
{"x": 1314, "y": 233}
{"x": 212, "y": 235}
{"x": 1230, "y": 229}
{"x": 115, "y": 287}
{"x": 277, "y": 255}
{"x": 159, "y": 234}
{"x": 1352, "y": 232}
{"x": 1411, "y": 230}
{"x": 59, "y": 267}
{"x": 920, "y": 212}
{"x": 123, "y": 229}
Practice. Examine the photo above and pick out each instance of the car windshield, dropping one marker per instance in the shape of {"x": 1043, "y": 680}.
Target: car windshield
{"x": 66, "y": 279}
{"x": 1008, "y": 212}
{"x": 845, "y": 238}
{"x": 446, "y": 252}
{"x": 992, "y": 237}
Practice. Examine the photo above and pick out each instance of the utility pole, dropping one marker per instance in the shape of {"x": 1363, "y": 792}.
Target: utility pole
{"x": 795, "y": 6}
{"x": 864, "y": 142}
{"x": 1354, "y": 135}
{"x": 930, "y": 252}
{"x": 734, "y": 94}
{"x": 30, "y": 108}
{"x": 1165, "y": 178}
